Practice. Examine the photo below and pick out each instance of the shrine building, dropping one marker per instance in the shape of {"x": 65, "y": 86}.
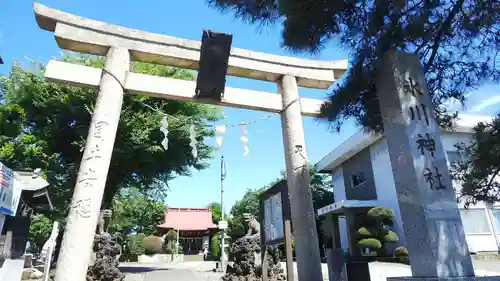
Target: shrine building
{"x": 195, "y": 228}
{"x": 362, "y": 178}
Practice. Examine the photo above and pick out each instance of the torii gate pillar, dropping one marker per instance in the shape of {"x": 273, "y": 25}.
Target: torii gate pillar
{"x": 298, "y": 179}
{"x": 76, "y": 247}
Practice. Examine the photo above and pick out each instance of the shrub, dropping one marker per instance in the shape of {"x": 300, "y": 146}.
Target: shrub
{"x": 40, "y": 229}
{"x": 170, "y": 242}
{"x": 153, "y": 245}
{"x": 370, "y": 243}
{"x": 375, "y": 233}
{"x": 381, "y": 213}
{"x": 215, "y": 245}
{"x": 401, "y": 252}
{"x": 391, "y": 237}
{"x": 364, "y": 232}
{"x": 134, "y": 246}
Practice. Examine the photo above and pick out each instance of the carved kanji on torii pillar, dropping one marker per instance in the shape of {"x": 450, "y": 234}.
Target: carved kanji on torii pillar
{"x": 121, "y": 45}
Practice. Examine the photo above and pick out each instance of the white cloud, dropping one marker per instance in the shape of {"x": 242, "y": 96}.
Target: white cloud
{"x": 453, "y": 104}
{"x": 485, "y": 103}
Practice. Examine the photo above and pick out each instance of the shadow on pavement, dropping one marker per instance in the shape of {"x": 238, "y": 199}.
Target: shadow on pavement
{"x": 137, "y": 269}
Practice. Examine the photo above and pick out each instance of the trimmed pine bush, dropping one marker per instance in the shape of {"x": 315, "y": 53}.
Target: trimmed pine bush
{"x": 400, "y": 252}
{"x": 370, "y": 243}
{"x": 364, "y": 232}
{"x": 153, "y": 245}
{"x": 390, "y": 237}
{"x": 375, "y": 233}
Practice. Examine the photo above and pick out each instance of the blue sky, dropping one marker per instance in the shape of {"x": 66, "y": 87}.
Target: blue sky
{"x": 20, "y": 37}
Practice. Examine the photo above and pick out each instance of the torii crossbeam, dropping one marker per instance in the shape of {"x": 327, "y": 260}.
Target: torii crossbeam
{"x": 120, "y": 45}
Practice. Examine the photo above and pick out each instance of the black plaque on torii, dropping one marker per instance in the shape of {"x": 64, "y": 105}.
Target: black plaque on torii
{"x": 214, "y": 58}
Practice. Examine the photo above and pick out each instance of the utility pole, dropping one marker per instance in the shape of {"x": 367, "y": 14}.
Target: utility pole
{"x": 222, "y": 233}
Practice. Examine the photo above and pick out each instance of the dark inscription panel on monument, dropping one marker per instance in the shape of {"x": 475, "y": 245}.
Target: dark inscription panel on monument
{"x": 426, "y": 147}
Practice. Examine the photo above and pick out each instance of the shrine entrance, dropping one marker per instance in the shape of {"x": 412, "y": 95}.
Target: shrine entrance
{"x": 120, "y": 45}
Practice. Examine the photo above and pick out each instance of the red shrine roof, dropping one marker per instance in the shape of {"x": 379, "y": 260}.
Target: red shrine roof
{"x": 188, "y": 219}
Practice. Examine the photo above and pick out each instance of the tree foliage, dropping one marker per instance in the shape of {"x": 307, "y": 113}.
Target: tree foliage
{"x": 215, "y": 245}
{"x": 136, "y": 212}
{"x": 250, "y": 202}
{"x": 44, "y": 125}
{"x": 479, "y": 169}
{"x": 214, "y": 207}
{"x": 40, "y": 230}
{"x": 457, "y": 42}
{"x": 134, "y": 246}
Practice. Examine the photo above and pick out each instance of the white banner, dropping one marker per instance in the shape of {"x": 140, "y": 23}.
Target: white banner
{"x": 10, "y": 191}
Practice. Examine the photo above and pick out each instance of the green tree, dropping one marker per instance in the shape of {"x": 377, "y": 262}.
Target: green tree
{"x": 320, "y": 184}
{"x": 215, "y": 245}
{"x": 321, "y": 197}
{"x": 214, "y": 207}
{"x": 250, "y": 201}
{"x": 44, "y": 125}
{"x": 134, "y": 246}
{"x": 40, "y": 229}
{"x": 479, "y": 169}
{"x": 136, "y": 212}
{"x": 248, "y": 204}
{"x": 457, "y": 42}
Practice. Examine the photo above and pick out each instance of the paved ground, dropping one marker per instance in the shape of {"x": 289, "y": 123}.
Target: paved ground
{"x": 188, "y": 271}
{"x": 202, "y": 271}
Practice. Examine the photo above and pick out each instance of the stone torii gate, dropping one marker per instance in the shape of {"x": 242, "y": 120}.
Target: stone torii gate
{"x": 120, "y": 45}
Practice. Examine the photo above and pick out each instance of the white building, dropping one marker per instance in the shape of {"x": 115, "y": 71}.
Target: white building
{"x": 362, "y": 178}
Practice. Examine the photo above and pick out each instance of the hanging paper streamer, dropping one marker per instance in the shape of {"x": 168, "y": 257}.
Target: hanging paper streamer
{"x": 164, "y": 130}
{"x": 244, "y": 139}
{"x": 193, "y": 141}
{"x": 219, "y": 131}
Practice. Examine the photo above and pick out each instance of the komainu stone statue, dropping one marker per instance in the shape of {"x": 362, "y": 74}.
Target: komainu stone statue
{"x": 253, "y": 231}
{"x": 104, "y": 218}
{"x": 245, "y": 253}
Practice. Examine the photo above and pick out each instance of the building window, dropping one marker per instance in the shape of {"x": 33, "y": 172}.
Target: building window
{"x": 475, "y": 221}
{"x": 358, "y": 179}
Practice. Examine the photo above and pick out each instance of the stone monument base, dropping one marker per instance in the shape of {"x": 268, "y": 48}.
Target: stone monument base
{"x": 472, "y": 278}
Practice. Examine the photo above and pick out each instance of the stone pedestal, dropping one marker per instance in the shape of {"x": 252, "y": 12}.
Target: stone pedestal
{"x": 105, "y": 266}
{"x": 429, "y": 212}
{"x": 247, "y": 264}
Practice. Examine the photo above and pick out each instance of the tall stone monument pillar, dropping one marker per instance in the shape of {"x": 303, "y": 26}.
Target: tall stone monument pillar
{"x": 431, "y": 220}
